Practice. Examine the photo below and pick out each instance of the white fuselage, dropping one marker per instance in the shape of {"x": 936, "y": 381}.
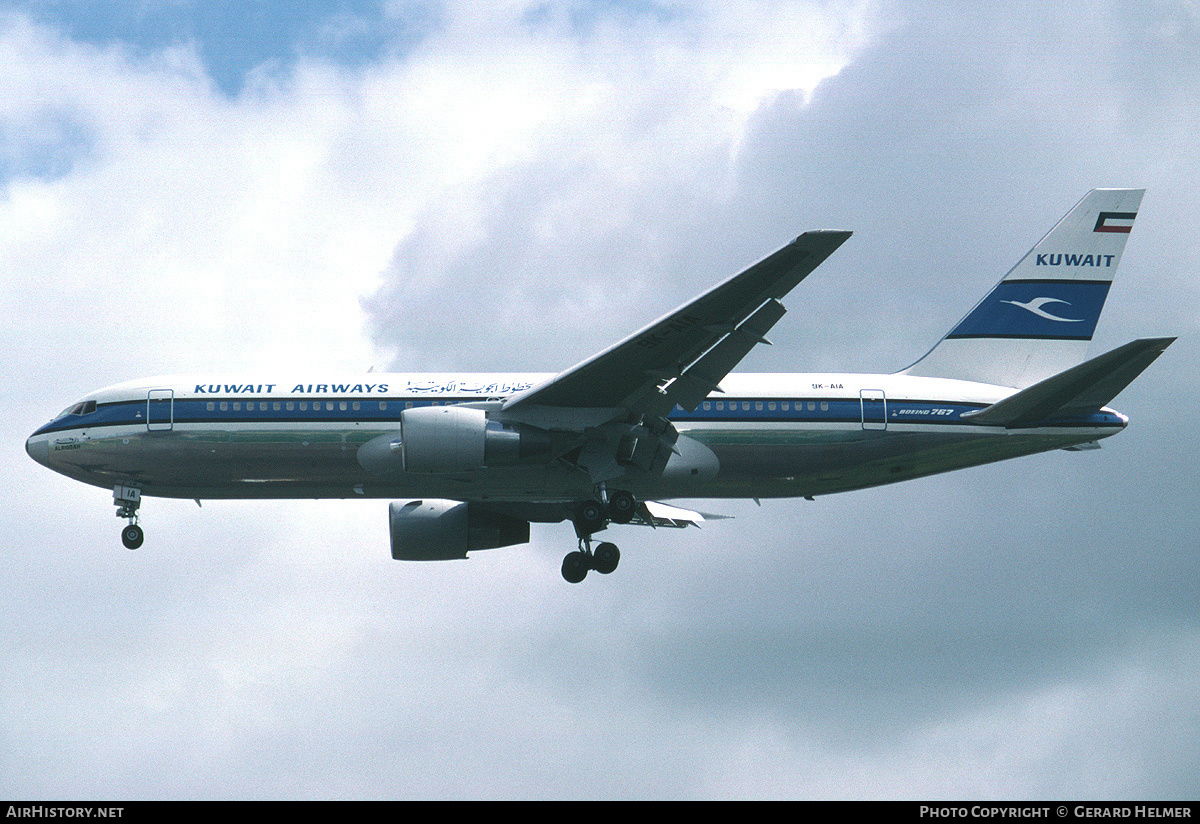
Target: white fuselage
{"x": 771, "y": 435}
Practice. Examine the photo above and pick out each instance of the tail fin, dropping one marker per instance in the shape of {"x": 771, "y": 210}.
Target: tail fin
{"x": 1039, "y": 319}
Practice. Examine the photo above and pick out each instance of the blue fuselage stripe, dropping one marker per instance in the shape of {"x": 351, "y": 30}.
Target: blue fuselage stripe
{"x": 218, "y": 411}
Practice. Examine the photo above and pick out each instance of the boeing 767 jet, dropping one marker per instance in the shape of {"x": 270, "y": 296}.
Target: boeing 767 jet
{"x": 473, "y": 459}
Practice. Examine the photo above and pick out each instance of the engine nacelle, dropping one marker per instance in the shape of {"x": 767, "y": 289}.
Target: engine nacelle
{"x": 435, "y": 530}
{"x": 451, "y": 439}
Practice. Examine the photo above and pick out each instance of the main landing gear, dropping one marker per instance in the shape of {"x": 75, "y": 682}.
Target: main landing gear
{"x": 127, "y": 500}
{"x": 603, "y": 559}
{"x": 591, "y": 517}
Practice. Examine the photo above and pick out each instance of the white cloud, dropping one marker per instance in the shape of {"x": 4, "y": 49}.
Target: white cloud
{"x": 578, "y": 151}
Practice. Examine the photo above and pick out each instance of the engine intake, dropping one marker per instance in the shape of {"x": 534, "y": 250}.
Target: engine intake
{"x": 436, "y": 530}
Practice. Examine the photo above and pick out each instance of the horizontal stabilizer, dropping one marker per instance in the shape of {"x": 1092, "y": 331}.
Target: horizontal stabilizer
{"x": 1080, "y": 390}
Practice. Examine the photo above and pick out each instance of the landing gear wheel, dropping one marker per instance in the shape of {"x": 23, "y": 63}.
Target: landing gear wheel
{"x": 132, "y": 536}
{"x": 605, "y": 558}
{"x": 575, "y": 566}
{"x": 589, "y": 517}
{"x": 621, "y": 507}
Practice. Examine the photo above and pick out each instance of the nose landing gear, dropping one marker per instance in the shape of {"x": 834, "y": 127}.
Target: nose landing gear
{"x": 127, "y": 500}
{"x": 132, "y": 536}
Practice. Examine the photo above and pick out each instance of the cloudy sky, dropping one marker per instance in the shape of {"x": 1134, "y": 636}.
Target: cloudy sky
{"x": 230, "y": 186}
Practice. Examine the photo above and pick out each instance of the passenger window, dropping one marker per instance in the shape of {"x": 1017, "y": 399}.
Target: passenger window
{"x": 224, "y": 406}
{"x": 342, "y": 406}
{"x": 382, "y": 406}
{"x": 824, "y": 406}
{"x": 758, "y": 406}
{"x": 290, "y": 406}
{"x": 212, "y": 407}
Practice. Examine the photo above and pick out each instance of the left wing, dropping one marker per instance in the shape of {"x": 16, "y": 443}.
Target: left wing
{"x": 683, "y": 356}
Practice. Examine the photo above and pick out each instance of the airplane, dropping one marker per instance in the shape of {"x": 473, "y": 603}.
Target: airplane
{"x": 474, "y": 459}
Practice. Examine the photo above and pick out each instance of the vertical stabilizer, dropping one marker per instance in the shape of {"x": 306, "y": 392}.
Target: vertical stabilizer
{"x": 1039, "y": 319}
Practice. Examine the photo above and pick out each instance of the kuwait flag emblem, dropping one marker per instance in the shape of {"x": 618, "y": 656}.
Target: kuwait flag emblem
{"x": 1115, "y": 222}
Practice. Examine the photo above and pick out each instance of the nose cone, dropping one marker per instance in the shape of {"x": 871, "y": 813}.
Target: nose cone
{"x": 38, "y": 447}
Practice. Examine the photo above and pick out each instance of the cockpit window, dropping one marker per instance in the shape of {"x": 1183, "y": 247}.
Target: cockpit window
{"x": 81, "y": 408}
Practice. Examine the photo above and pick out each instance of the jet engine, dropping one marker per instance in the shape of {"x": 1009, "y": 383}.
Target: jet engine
{"x": 451, "y": 439}
{"x": 444, "y": 530}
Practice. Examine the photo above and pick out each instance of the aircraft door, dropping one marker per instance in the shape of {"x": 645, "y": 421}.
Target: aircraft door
{"x": 160, "y": 410}
{"x": 874, "y": 408}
